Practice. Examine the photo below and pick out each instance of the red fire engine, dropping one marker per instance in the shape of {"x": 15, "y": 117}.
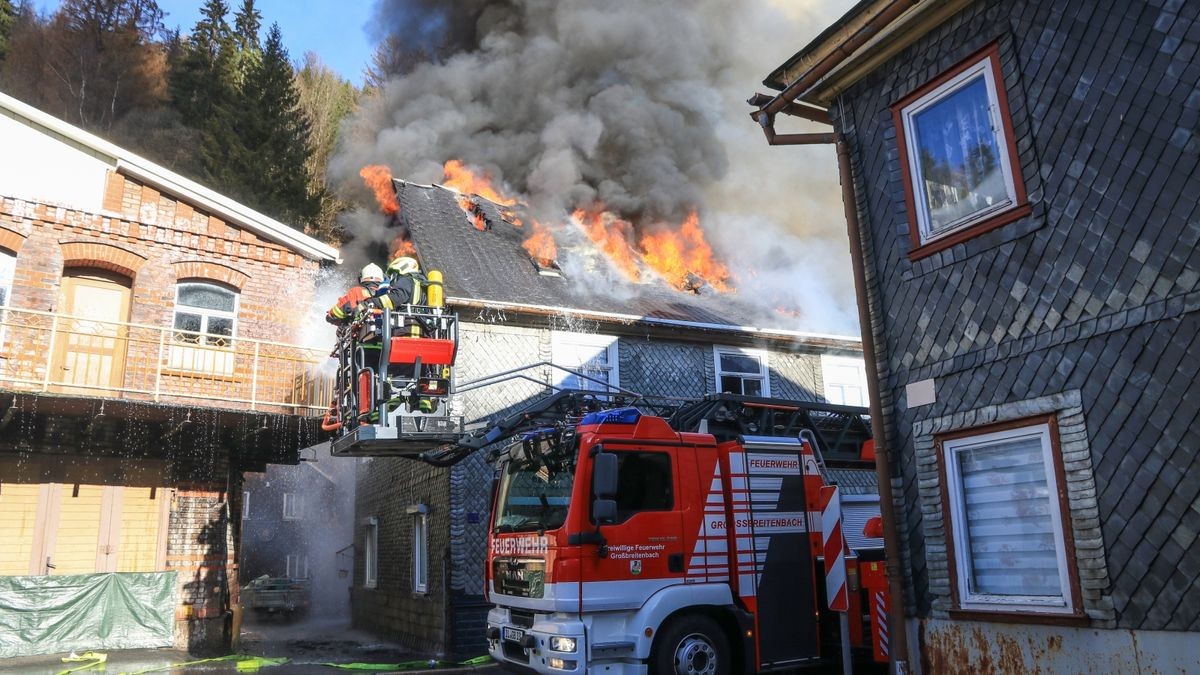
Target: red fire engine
{"x": 627, "y": 542}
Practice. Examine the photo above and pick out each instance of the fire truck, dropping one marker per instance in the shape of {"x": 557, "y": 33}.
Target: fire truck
{"x": 630, "y": 535}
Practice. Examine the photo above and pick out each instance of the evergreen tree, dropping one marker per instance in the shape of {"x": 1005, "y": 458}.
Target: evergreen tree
{"x": 248, "y": 54}
{"x": 8, "y": 14}
{"x": 203, "y": 77}
{"x": 260, "y": 149}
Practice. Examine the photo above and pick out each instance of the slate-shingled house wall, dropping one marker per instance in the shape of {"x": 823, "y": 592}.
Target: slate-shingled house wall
{"x": 1084, "y": 311}
{"x": 504, "y": 334}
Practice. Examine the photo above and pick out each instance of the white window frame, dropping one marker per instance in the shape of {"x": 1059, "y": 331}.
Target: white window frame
{"x": 245, "y": 505}
{"x": 420, "y": 579}
{"x": 968, "y": 599}
{"x": 293, "y": 506}
{"x": 563, "y": 342}
{"x": 371, "y": 553}
{"x": 201, "y": 357}
{"x": 760, "y": 354}
{"x": 297, "y": 562}
{"x": 829, "y": 363}
{"x": 986, "y": 67}
{"x": 8, "y": 272}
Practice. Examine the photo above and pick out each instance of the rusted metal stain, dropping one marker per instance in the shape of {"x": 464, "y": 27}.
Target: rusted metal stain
{"x": 984, "y": 648}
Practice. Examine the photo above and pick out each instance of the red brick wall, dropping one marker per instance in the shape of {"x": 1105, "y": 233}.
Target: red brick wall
{"x": 156, "y": 240}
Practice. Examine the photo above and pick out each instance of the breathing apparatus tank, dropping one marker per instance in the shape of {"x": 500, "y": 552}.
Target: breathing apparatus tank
{"x": 435, "y": 294}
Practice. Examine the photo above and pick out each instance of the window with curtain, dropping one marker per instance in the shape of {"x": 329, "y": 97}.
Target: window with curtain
{"x": 1007, "y": 521}
{"x": 591, "y": 355}
{"x": 8, "y": 268}
{"x": 959, "y": 162}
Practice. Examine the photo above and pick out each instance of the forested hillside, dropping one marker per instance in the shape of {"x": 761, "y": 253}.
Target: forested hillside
{"x": 222, "y": 103}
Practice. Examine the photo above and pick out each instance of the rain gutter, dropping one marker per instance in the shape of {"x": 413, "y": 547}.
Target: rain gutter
{"x": 844, "y": 341}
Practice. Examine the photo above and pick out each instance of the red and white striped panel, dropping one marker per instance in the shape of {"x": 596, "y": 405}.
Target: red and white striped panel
{"x": 834, "y": 546}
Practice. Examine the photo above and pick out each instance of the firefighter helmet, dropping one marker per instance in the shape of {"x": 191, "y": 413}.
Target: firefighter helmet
{"x": 371, "y": 273}
{"x": 403, "y": 265}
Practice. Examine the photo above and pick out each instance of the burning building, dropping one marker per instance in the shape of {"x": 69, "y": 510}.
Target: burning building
{"x": 420, "y": 545}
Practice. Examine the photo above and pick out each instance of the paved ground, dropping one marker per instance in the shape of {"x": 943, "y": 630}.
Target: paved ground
{"x": 307, "y": 644}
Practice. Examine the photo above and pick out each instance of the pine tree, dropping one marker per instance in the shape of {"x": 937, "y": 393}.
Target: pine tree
{"x": 248, "y": 53}
{"x": 8, "y": 14}
{"x": 203, "y": 77}
{"x": 274, "y": 136}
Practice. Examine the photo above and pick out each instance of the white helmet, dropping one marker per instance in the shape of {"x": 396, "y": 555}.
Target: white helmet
{"x": 371, "y": 273}
{"x": 403, "y": 265}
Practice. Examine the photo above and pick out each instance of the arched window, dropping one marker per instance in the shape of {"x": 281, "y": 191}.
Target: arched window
{"x": 204, "y": 325}
{"x": 205, "y": 314}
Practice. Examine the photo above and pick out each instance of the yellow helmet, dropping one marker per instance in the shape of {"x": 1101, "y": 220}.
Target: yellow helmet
{"x": 371, "y": 273}
{"x": 403, "y": 265}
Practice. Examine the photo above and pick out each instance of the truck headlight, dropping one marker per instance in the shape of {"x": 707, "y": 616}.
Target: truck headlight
{"x": 562, "y": 644}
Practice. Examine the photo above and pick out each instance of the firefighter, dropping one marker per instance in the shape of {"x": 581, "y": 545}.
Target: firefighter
{"x": 405, "y": 281}
{"x": 343, "y": 312}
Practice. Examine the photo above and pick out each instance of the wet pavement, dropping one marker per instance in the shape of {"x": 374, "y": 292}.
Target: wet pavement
{"x": 308, "y": 645}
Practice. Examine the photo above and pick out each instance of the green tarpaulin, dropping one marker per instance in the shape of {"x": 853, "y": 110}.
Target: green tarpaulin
{"x": 48, "y": 614}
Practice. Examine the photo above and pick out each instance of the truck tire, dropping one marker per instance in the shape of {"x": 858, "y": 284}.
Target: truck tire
{"x": 692, "y": 644}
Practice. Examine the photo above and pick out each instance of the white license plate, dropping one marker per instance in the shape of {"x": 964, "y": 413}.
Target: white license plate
{"x": 513, "y": 634}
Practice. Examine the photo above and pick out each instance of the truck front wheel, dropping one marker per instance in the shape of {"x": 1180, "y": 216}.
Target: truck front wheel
{"x": 691, "y": 645}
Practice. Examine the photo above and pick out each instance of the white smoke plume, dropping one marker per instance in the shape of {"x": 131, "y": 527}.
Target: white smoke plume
{"x": 637, "y": 104}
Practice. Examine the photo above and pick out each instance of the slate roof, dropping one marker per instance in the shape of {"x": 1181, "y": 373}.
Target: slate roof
{"x": 491, "y": 266}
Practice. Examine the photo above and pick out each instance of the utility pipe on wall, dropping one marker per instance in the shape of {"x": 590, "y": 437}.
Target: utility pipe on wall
{"x": 898, "y": 645}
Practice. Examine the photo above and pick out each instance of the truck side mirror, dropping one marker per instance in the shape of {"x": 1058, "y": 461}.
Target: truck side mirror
{"x": 604, "y": 476}
{"x": 604, "y": 511}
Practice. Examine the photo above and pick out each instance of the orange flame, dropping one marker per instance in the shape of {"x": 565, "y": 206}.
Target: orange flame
{"x": 673, "y": 253}
{"x": 466, "y": 181}
{"x": 403, "y": 247}
{"x": 611, "y": 235}
{"x": 540, "y": 244}
{"x": 379, "y": 178}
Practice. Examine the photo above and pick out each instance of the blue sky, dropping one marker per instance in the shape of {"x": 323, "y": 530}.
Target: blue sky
{"x": 334, "y": 30}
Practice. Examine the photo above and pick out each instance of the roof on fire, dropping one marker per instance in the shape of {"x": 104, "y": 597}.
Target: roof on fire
{"x": 490, "y": 268}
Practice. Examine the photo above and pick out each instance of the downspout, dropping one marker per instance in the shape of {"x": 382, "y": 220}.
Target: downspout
{"x": 898, "y": 644}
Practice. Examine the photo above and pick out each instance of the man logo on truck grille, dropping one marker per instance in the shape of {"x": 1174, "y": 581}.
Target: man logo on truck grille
{"x": 635, "y": 567}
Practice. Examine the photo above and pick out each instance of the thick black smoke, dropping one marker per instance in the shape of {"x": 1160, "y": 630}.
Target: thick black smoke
{"x": 636, "y": 104}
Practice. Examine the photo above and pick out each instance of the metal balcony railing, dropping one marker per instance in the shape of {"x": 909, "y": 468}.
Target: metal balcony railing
{"x": 78, "y": 355}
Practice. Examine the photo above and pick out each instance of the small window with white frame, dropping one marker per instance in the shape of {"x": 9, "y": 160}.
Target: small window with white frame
{"x": 293, "y": 506}
{"x": 591, "y": 355}
{"x": 844, "y": 379}
{"x": 205, "y": 322}
{"x": 371, "y": 552}
{"x": 420, "y": 579}
{"x": 742, "y": 371}
{"x": 957, "y": 153}
{"x": 1008, "y": 524}
{"x": 8, "y": 269}
{"x": 297, "y": 566}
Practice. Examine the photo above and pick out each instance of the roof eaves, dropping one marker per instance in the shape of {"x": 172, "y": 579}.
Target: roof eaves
{"x": 125, "y": 161}
{"x": 822, "y": 339}
{"x": 900, "y": 32}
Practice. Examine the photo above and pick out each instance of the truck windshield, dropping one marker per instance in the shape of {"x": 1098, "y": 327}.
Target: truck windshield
{"x": 535, "y": 492}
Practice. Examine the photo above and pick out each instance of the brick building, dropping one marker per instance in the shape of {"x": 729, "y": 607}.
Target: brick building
{"x": 422, "y": 531}
{"x": 1026, "y": 180}
{"x": 145, "y": 363}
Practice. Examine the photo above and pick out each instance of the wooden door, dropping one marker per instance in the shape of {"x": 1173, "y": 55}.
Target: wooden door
{"x": 90, "y": 350}
{"x": 18, "y": 517}
{"x": 140, "y": 541}
{"x": 78, "y": 537}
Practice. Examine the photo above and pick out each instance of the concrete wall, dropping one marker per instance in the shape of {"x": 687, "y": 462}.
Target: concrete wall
{"x": 1092, "y": 298}
{"x": 55, "y": 171}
